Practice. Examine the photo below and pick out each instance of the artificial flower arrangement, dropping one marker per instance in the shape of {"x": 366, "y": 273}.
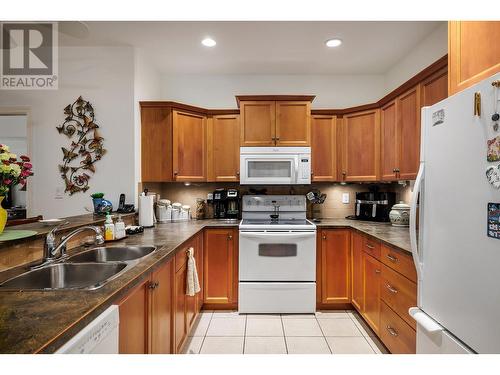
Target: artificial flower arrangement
{"x": 13, "y": 171}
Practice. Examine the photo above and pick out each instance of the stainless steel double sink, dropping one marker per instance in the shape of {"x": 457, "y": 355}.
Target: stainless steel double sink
{"x": 89, "y": 270}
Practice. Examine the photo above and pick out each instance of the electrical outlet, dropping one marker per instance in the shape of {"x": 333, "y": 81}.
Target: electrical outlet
{"x": 59, "y": 193}
{"x": 345, "y": 198}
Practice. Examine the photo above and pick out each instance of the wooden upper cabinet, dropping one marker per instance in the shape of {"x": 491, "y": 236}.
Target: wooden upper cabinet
{"x": 224, "y": 148}
{"x": 324, "y": 148}
{"x": 372, "y": 269}
{"x": 361, "y": 146}
{"x": 389, "y": 143}
{"x": 258, "y": 119}
{"x": 156, "y": 144}
{"x": 357, "y": 295}
{"x": 275, "y": 120}
{"x": 409, "y": 134}
{"x": 162, "y": 309}
{"x": 473, "y": 52}
{"x": 220, "y": 266}
{"x": 335, "y": 271}
{"x": 189, "y": 146}
{"x": 434, "y": 88}
{"x": 293, "y": 123}
{"x": 134, "y": 321}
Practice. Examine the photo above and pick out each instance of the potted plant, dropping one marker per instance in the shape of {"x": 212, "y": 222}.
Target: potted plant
{"x": 12, "y": 172}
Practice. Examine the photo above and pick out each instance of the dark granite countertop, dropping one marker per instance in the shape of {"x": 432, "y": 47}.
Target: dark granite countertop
{"x": 42, "y": 321}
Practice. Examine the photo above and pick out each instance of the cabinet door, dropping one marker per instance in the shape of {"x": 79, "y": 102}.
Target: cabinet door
{"x": 189, "y": 150}
{"x": 293, "y": 123}
{"x": 258, "y": 120}
{"x": 357, "y": 298}
{"x": 134, "y": 327}
{"x": 372, "y": 270}
{"x": 180, "y": 326}
{"x": 199, "y": 268}
{"x": 219, "y": 259}
{"x": 324, "y": 148}
{"x": 191, "y": 301}
{"x": 161, "y": 309}
{"x": 434, "y": 88}
{"x": 473, "y": 52}
{"x": 224, "y": 148}
{"x": 409, "y": 134}
{"x": 389, "y": 146}
{"x": 335, "y": 266}
{"x": 156, "y": 144}
{"x": 361, "y": 146}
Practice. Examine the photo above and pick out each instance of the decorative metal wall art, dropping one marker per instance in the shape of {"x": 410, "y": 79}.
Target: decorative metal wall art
{"x": 86, "y": 146}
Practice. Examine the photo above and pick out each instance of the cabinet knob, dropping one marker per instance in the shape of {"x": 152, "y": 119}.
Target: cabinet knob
{"x": 277, "y": 138}
{"x": 230, "y": 237}
{"x": 324, "y": 237}
{"x": 153, "y": 285}
{"x": 273, "y": 138}
{"x": 176, "y": 173}
{"x": 238, "y": 173}
{"x": 394, "y": 170}
{"x": 391, "y": 289}
{"x": 392, "y": 258}
{"x": 392, "y": 331}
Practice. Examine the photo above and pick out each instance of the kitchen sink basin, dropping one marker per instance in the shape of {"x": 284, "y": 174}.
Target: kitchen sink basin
{"x": 66, "y": 276}
{"x": 112, "y": 254}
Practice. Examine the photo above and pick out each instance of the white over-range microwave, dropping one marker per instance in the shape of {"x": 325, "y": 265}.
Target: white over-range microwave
{"x": 275, "y": 165}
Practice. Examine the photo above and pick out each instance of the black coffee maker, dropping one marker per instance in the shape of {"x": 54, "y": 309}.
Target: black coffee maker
{"x": 220, "y": 201}
{"x": 373, "y": 205}
{"x": 232, "y": 204}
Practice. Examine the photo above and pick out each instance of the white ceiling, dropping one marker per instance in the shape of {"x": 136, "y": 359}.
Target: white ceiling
{"x": 261, "y": 47}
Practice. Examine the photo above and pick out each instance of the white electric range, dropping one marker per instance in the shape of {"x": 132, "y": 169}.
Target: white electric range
{"x": 277, "y": 255}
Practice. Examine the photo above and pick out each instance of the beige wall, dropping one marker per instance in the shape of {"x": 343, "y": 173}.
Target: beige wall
{"x": 332, "y": 208}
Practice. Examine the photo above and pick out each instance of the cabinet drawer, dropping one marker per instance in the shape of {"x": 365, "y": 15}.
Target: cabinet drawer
{"x": 398, "y": 293}
{"x": 399, "y": 261}
{"x": 371, "y": 247}
{"x": 398, "y": 336}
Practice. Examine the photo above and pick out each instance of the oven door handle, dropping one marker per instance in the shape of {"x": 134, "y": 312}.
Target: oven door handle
{"x": 277, "y": 234}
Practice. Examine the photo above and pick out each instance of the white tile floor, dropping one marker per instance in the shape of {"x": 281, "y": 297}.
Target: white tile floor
{"x": 326, "y": 332}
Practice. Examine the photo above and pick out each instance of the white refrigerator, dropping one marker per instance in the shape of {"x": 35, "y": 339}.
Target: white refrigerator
{"x": 457, "y": 262}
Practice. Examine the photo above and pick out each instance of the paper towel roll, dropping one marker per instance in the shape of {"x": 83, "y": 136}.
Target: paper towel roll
{"x": 146, "y": 212}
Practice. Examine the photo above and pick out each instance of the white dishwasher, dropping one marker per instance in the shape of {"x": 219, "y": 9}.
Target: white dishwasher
{"x": 99, "y": 337}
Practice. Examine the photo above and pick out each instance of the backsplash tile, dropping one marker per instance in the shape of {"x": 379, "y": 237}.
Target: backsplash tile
{"x": 332, "y": 208}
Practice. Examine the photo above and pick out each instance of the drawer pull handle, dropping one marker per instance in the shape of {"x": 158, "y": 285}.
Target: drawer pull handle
{"x": 371, "y": 247}
{"x": 392, "y": 258}
{"x": 377, "y": 271}
{"x": 392, "y": 331}
{"x": 391, "y": 288}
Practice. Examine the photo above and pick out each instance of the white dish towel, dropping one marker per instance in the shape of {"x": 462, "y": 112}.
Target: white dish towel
{"x": 192, "y": 282}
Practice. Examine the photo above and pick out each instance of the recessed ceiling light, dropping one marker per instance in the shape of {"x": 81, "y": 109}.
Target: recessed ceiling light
{"x": 208, "y": 42}
{"x": 333, "y": 42}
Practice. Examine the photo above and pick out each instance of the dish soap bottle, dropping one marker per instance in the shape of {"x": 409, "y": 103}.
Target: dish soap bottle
{"x": 109, "y": 228}
{"x": 119, "y": 228}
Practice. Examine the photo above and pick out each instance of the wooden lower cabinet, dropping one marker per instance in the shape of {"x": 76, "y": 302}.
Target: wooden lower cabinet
{"x": 334, "y": 262}
{"x": 371, "y": 312}
{"x": 134, "y": 315}
{"x": 157, "y": 316}
{"x": 146, "y": 315}
{"x": 161, "y": 309}
{"x": 357, "y": 278}
{"x": 220, "y": 268}
{"x": 395, "y": 333}
{"x": 180, "y": 318}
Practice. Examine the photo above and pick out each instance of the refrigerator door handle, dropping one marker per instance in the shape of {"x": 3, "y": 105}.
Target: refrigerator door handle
{"x": 413, "y": 221}
{"x": 426, "y": 322}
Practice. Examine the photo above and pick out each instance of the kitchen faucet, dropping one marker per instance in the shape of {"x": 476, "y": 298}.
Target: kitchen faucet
{"x": 52, "y": 249}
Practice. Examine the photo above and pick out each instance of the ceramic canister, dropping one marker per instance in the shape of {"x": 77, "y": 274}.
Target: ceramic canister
{"x": 400, "y": 215}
